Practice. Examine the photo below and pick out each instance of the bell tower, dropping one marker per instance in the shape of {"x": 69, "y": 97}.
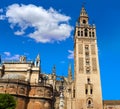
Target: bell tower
{"x": 88, "y": 93}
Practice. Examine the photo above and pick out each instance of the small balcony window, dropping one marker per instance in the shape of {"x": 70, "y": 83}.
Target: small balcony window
{"x": 87, "y": 70}
{"x": 78, "y": 33}
{"x": 86, "y": 47}
{"x": 87, "y": 54}
{"x": 87, "y": 61}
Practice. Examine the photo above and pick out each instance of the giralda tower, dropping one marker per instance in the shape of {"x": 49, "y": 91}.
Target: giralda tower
{"x": 88, "y": 93}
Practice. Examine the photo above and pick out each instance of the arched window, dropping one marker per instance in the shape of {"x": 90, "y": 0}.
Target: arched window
{"x": 90, "y": 34}
{"x": 93, "y": 34}
{"x": 91, "y": 91}
{"x": 88, "y": 80}
{"x": 86, "y": 91}
{"x": 78, "y": 33}
{"x": 86, "y": 32}
{"x": 84, "y": 21}
{"x": 81, "y": 33}
{"x": 89, "y": 103}
{"x": 74, "y": 93}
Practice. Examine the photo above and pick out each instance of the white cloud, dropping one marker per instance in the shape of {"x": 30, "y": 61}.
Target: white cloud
{"x": 71, "y": 54}
{"x": 19, "y": 33}
{"x": 1, "y": 10}
{"x": 48, "y": 25}
{"x": 14, "y": 57}
{"x": 2, "y": 17}
{"x": 8, "y": 56}
{"x": 7, "y": 53}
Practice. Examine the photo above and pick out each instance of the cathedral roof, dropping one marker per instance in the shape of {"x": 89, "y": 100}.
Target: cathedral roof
{"x": 13, "y": 76}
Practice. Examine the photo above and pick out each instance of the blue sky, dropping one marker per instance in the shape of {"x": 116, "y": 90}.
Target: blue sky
{"x": 23, "y": 33}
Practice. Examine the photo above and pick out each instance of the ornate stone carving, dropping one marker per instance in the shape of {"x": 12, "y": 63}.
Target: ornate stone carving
{"x": 93, "y": 49}
{"x": 11, "y": 88}
{"x": 48, "y": 93}
{"x": 80, "y": 49}
{"x": 81, "y": 65}
{"x": 40, "y": 92}
{"x": 94, "y": 64}
{"x": 22, "y": 90}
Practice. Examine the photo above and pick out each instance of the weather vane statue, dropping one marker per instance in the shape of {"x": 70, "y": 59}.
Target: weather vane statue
{"x": 83, "y": 3}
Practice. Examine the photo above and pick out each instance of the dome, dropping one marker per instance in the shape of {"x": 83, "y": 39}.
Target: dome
{"x": 13, "y": 76}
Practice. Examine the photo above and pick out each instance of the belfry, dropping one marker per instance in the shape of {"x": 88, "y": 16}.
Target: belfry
{"x": 87, "y": 74}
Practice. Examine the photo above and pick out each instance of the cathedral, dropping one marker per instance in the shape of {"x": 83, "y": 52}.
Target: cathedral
{"x": 33, "y": 89}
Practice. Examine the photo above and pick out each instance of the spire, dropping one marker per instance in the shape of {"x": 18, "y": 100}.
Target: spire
{"x": 54, "y": 69}
{"x": 37, "y": 61}
{"x": 83, "y": 12}
{"x": 83, "y": 18}
{"x": 38, "y": 57}
{"x": 61, "y": 104}
{"x": 69, "y": 73}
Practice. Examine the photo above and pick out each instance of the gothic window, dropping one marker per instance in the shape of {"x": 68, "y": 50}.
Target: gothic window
{"x": 86, "y": 32}
{"x": 78, "y": 33}
{"x": 88, "y": 87}
{"x": 81, "y": 33}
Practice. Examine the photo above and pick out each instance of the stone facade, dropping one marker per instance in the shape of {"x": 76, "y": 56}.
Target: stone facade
{"x": 22, "y": 80}
{"x": 87, "y": 74}
{"x": 111, "y": 104}
{"x": 33, "y": 89}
